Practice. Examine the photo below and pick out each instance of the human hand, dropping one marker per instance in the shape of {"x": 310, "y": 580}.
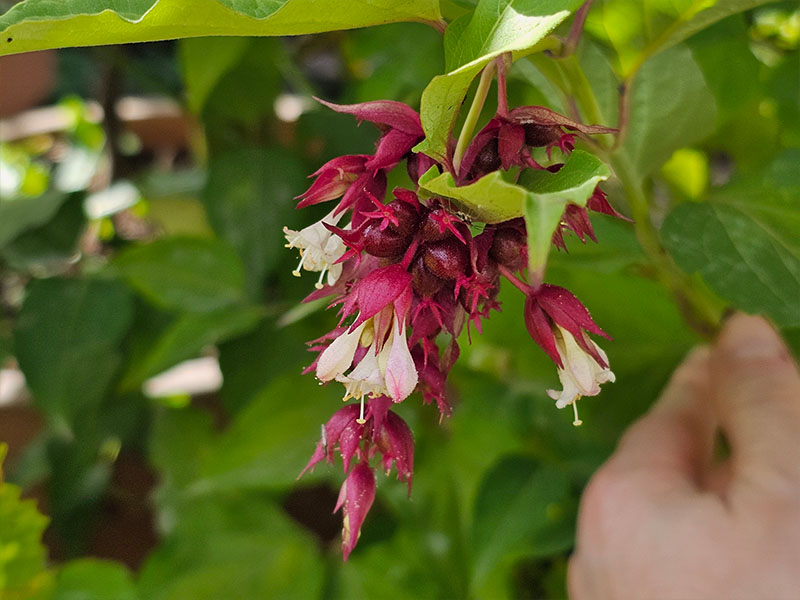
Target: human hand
{"x": 663, "y": 520}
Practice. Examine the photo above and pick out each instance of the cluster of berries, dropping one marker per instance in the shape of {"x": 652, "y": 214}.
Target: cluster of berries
{"x": 410, "y": 271}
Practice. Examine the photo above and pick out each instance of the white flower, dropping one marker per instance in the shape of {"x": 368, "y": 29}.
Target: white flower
{"x": 581, "y": 375}
{"x": 319, "y": 249}
{"x": 386, "y": 369}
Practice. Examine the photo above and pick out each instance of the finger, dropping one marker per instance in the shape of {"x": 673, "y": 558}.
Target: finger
{"x": 756, "y": 391}
{"x": 671, "y": 445}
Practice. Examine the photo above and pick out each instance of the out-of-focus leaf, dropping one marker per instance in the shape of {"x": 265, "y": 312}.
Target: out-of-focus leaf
{"x": 23, "y": 213}
{"x": 42, "y": 24}
{"x": 640, "y": 30}
{"x": 518, "y": 499}
{"x": 92, "y": 579}
{"x": 204, "y": 61}
{"x": 671, "y": 107}
{"x": 243, "y": 98}
{"x": 745, "y": 245}
{"x": 272, "y": 439}
{"x": 249, "y": 199}
{"x": 191, "y": 274}
{"x": 23, "y": 557}
{"x": 67, "y": 339}
{"x": 375, "y": 53}
{"x": 237, "y": 547}
{"x": 186, "y": 337}
{"x": 52, "y": 246}
{"x": 496, "y": 26}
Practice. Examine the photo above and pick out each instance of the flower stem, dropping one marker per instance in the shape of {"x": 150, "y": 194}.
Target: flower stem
{"x": 473, "y": 115}
{"x": 701, "y": 310}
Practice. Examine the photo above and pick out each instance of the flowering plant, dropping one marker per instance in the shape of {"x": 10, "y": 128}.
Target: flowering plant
{"x": 523, "y": 162}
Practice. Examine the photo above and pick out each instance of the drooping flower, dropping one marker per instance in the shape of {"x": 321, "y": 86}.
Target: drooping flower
{"x": 320, "y": 250}
{"x": 581, "y": 374}
{"x": 559, "y": 323}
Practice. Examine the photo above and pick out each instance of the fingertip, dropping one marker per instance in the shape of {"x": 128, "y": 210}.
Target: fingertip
{"x": 747, "y": 339}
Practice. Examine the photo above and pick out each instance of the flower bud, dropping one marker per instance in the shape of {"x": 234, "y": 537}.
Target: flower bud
{"x": 447, "y": 259}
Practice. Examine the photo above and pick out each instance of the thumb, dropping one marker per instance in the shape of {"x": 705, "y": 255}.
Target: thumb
{"x": 756, "y": 390}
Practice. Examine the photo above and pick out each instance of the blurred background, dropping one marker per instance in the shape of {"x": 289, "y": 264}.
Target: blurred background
{"x": 151, "y": 337}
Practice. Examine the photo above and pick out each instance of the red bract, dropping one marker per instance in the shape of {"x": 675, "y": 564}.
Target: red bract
{"x": 364, "y": 436}
{"x": 356, "y": 497}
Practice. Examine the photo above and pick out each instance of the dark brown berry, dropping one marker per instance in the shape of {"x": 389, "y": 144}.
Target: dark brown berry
{"x": 407, "y": 218}
{"x": 508, "y": 248}
{"x": 488, "y": 159}
{"x": 541, "y": 135}
{"x": 425, "y": 283}
{"x": 383, "y": 243}
{"x": 447, "y": 259}
{"x": 431, "y": 232}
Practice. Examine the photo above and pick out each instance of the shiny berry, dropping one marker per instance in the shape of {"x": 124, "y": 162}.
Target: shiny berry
{"x": 407, "y": 218}
{"x": 447, "y": 259}
{"x": 425, "y": 283}
{"x": 509, "y": 248}
{"x": 383, "y": 243}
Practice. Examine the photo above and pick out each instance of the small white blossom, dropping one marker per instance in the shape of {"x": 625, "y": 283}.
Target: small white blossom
{"x": 319, "y": 249}
{"x": 581, "y": 375}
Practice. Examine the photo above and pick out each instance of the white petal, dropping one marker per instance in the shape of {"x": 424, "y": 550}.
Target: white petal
{"x": 401, "y": 374}
{"x": 338, "y": 357}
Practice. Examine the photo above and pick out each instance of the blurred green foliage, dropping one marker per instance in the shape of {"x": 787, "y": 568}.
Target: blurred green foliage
{"x": 96, "y": 302}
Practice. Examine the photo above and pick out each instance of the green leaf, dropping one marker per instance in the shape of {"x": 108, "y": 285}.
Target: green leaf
{"x": 204, "y": 62}
{"x": 191, "y": 274}
{"x": 518, "y": 501}
{"x": 548, "y": 198}
{"x": 93, "y": 579}
{"x": 698, "y": 15}
{"x": 249, "y": 198}
{"x": 23, "y": 557}
{"x": 671, "y": 107}
{"x": 42, "y": 24}
{"x": 67, "y": 341}
{"x": 744, "y": 244}
{"x": 237, "y": 547}
{"x": 496, "y": 27}
{"x": 187, "y": 337}
{"x": 23, "y": 213}
{"x": 640, "y": 30}
{"x": 491, "y": 199}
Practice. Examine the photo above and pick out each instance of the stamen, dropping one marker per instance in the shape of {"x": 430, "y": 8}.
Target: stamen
{"x": 577, "y": 421}
{"x": 319, "y": 285}
{"x": 296, "y": 272}
{"x": 361, "y": 420}
{"x": 324, "y": 437}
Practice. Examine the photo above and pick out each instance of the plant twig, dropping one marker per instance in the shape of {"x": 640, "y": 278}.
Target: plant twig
{"x": 575, "y": 32}
{"x": 473, "y": 115}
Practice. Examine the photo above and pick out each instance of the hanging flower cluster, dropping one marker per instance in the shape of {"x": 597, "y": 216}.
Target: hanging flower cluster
{"x": 408, "y": 271}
